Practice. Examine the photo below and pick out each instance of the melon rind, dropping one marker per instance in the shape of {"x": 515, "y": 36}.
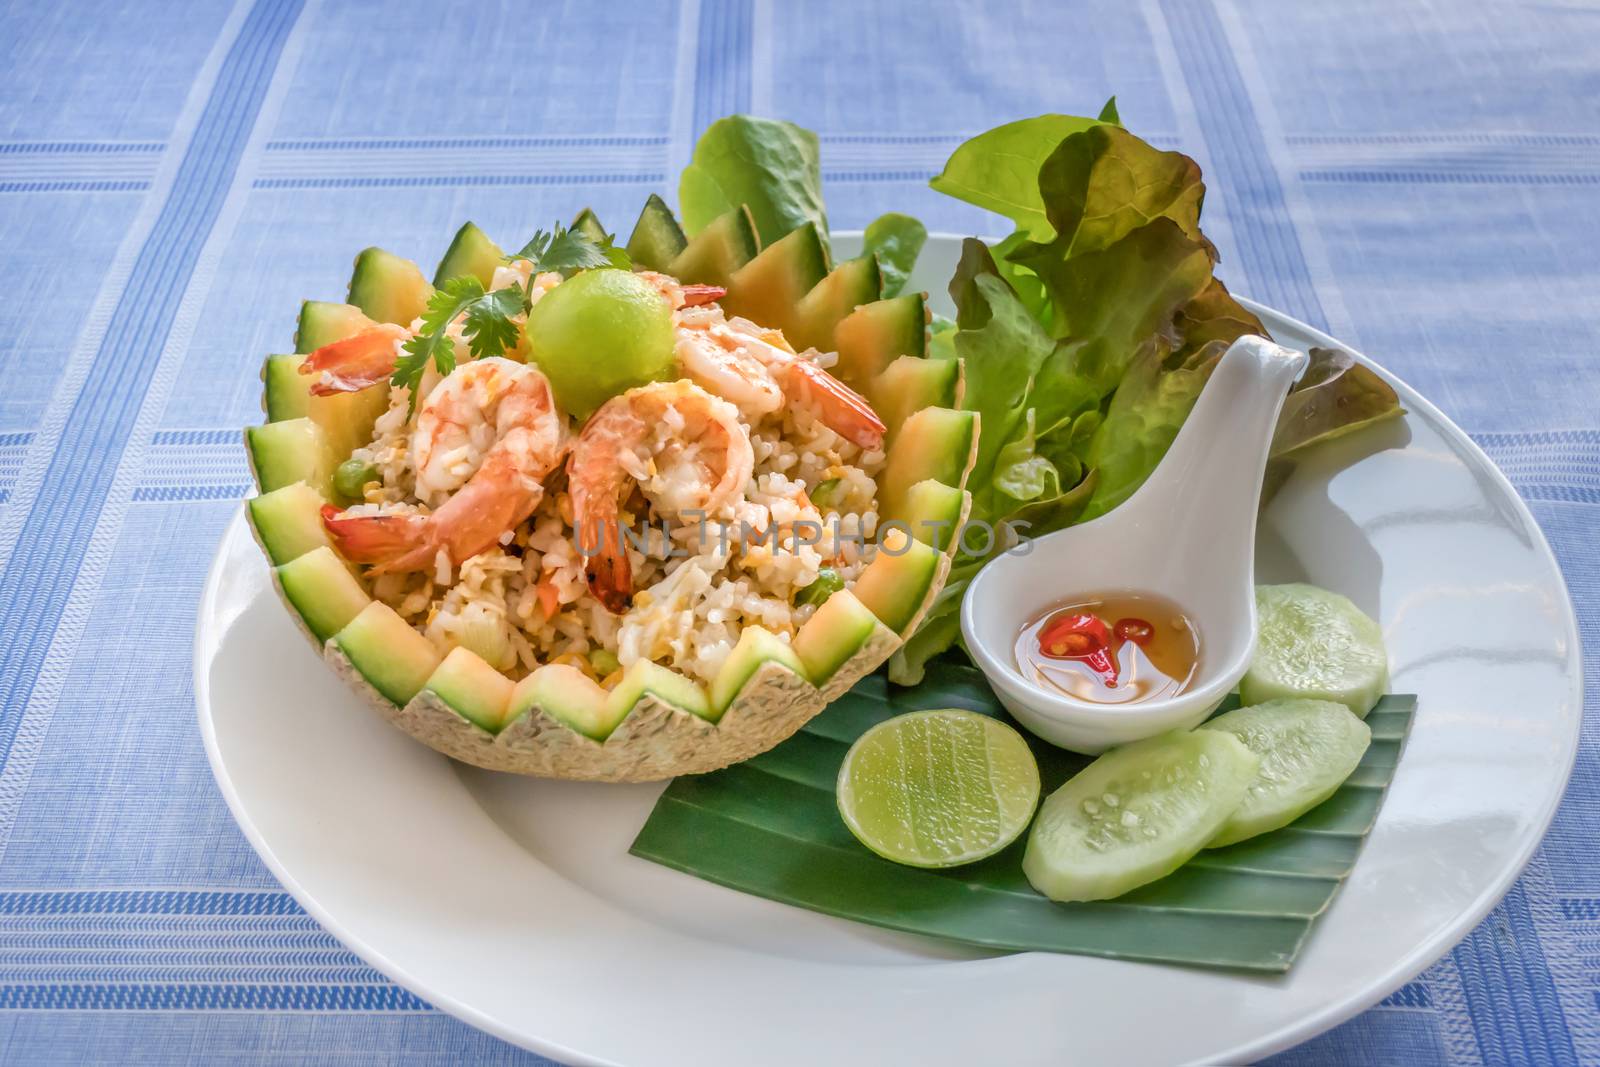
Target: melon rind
{"x": 655, "y": 739}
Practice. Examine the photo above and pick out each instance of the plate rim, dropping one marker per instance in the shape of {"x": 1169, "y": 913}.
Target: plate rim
{"x": 368, "y": 953}
{"x": 1450, "y": 934}
{"x": 1303, "y": 1029}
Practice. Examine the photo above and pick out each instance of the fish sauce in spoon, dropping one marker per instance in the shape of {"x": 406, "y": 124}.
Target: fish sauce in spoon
{"x": 1121, "y": 648}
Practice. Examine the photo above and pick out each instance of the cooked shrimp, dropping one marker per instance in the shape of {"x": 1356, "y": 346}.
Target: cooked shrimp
{"x": 684, "y": 448}
{"x": 493, "y": 408}
{"x": 839, "y": 407}
{"x": 680, "y": 295}
{"x": 740, "y": 362}
{"x": 729, "y": 363}
{"x": 369, "y": 357}
{"x": 350, "y": 365}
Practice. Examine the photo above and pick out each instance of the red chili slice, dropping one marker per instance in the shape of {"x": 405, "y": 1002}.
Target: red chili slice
{"x": 1081, "y": 637}
{"x": 1136, "y": 630}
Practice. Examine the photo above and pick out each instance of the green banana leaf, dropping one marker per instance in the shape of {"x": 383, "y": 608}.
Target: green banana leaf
{"x": 769, "y": 826}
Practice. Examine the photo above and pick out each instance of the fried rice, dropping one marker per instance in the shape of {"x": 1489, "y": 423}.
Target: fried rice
{"x": 698, "y": 584}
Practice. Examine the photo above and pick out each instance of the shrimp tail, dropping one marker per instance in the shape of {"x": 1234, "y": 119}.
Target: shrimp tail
{"x": 841, "y": 409}
{"x": 355, "y": 363}
{"x": 695, "y": 295}
{"x": 395, "y": 542}
{"x": 606, "y": 565}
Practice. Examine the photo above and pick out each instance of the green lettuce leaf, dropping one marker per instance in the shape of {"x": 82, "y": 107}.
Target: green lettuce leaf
{"x": 1145, "y": 415}
{"x": 1110, "y": 303}
{"x": 1131, "y": 289}
{"x": 1101, "y": 184}
{"x": 1155, "y": 397}
{"x": 999, "y": 170}
{"x": 1214, "y": 315}
{"x": 896, "y": 240}
{"x": 939, "y": 630}
{"x": 1026, "y": 284}
{"x": 1020, "y": 472}
{"x": 1057, "y": 321}
{"x": 1002, "y": 356}
{"x": 1082, "y": 431}
{"x": 1055, "y": 513}
{"x": 772, "y": 167}
{"x": 972, "y": 308}
{"x": 1090, "y": 332}
{"x": 1097, "y": 186}
{"x": 1334, "y": 396}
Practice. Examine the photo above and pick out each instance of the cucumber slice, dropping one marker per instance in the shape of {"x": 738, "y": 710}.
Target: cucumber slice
{"x": 1315, "y": 644}
{"x": 1136, "y": 814}
{"x": 1307, "y": 749}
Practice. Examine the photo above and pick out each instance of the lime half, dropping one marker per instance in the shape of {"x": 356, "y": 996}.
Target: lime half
{"x": 938, "y": 788}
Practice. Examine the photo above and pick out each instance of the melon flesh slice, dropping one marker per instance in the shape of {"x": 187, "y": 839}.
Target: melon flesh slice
{"x": 383, "y": 649}
{"x": 478, "y": 693}
{"x": 897, "y": 581}
{"x": 937, "y": 443}
{"x": 322, "y": 591}
{"x": 288, "y": 522}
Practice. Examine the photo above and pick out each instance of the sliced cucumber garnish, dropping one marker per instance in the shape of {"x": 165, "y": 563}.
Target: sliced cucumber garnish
{"x": 1307, "y": 749}
{"x": 1136, "y": 814}
{"x": 1318, "y": 645}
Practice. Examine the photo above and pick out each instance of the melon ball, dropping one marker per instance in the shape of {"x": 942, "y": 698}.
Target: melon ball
{"x": 600, "y": 334}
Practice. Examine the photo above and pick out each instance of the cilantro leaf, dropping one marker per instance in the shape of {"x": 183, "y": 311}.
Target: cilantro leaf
{"x": 449, "y": 301}
{"x": 421, "y": 350}
{"x": 569, "y": 251}
{"x": 487, "y": 326}
{"x": 535, "y": 248}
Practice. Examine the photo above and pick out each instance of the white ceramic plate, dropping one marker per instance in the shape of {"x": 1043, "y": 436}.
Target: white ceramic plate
{"x": 512, "y": 903}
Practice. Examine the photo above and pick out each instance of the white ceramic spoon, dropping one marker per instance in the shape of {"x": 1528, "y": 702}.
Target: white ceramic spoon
{"x": 1187, "y": 534}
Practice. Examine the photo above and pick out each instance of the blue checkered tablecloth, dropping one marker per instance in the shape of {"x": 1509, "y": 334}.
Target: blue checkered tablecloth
{"x": 1420, "y": 179}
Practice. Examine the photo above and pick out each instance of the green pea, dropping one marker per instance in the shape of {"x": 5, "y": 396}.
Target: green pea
{"x": 352, "y": 476}
{"x": 827, "y": 493}
{"x": 828, "y": 583}
{"x": 604, "y": 662}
